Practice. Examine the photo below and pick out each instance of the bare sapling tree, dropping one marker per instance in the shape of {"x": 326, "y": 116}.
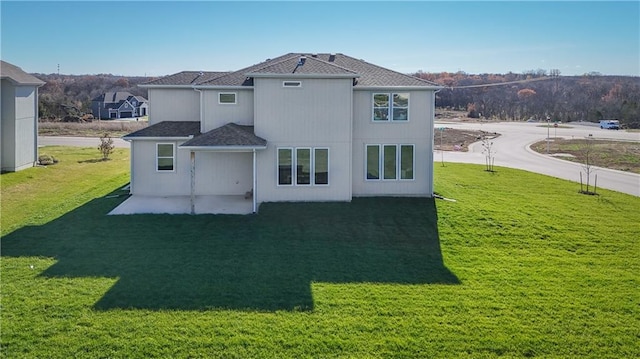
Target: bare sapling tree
{"x": 587, "y": 166}
{"x": 489, "y": 152}
{"x": 106, "y": 146}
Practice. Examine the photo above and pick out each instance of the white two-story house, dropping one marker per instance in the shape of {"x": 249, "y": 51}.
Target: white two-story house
{"x": 299, "y": 127}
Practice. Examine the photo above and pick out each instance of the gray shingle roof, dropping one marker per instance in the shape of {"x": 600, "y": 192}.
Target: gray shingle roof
{"x": 117, "y": 97}
{"x": 366, "y": 74}
{"x": 169, "y": 129}
{"x": 186, "y": 78}
{"x": 374, "y": 75}
{"x": 300, "y": 64}
{"x": 17, "y": 75}
{"x": 228, "y": 135}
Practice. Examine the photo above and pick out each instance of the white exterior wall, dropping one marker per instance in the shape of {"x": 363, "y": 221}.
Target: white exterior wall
{"x": 173, "y": 105}
{"x": 417, "y": 131}
{"x": 8, "y": 125}
{"x": 224, "y": 173}
{"x": 217, "y": 115}
{"x": 318, "y": 114}
{"x": 147, "y": 181}
{"x": 19, "y": 126}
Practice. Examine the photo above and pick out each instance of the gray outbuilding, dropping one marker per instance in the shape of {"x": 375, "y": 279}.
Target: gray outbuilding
{"x": 19, "y": 118}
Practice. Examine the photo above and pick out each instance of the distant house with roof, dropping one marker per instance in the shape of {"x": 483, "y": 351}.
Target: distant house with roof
{"x": 18, "y": 118}
{"x": 299, "y": 127}
{"x": 120, "y": 104}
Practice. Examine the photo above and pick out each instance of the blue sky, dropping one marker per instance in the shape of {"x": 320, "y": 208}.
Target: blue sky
{"x": 156, "y": 38}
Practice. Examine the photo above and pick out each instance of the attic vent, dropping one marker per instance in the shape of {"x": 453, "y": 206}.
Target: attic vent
{"x": 291, "y": 83}
{"x": 332, "y": 57}
{"x": 314, "y": 55}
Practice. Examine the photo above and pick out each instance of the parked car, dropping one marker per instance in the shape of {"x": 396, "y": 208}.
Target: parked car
{"x": 610, "y": 124}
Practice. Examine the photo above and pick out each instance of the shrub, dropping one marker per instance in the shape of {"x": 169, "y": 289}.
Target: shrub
{"x": 106, "y": 146}
{"x": 46, "y": 160}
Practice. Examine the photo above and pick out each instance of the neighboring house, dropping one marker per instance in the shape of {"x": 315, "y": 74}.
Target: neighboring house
{"x": 19, "y": 118}
{"x": 119, "y": 104}
{"x": 300, "y": 127}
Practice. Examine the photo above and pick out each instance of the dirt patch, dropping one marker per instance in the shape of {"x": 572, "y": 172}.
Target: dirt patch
{"x": 450, "y": 139}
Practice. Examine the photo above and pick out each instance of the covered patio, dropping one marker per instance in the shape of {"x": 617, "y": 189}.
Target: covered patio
{"x": 210, "y": 204}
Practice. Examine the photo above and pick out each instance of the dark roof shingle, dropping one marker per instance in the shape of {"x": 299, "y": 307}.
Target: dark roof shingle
{"x": 366, "y": 74}
{"x": 186, "y": 78}
{"x": 168, "y": 129}
{"x": 17, "y": 75}
{"x": 228, "y": 135}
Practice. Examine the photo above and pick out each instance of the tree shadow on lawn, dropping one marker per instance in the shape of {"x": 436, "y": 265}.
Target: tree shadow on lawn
{"x": 262, "y": 262}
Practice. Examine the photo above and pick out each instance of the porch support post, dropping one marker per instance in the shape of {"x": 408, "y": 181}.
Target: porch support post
{"x": 193, "y": 182}
{"x": 253, "y": 197}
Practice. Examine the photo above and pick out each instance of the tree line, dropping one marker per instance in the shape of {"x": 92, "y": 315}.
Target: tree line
{"x": 64, "y": 92}
{"x": 539, "y": 94}
{"x": 511, "y": 97}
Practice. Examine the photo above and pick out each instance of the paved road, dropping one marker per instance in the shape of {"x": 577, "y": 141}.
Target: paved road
{"x": 512, "y": 150}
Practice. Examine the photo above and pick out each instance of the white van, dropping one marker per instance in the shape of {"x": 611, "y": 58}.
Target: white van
{"x": 610, "y": 124}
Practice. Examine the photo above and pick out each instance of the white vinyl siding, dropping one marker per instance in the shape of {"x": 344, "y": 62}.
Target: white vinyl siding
{"x": 390, "y": 107}
{"x": 165, "y": 157}
{"x": 394, "y": 162}
{"x": 303, "y": 166}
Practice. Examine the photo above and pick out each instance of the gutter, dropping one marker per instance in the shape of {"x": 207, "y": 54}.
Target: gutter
{"x": 129, "y": 139}
{"x": 302, "y": 76}
{"x": 204, "y": 87}
{"x": 408, "y": 88}
{"x": 223, "y": 148}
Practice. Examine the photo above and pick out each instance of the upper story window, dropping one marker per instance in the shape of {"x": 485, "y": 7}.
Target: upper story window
{"x": 391, "y": 106}
{"x": 228, "y": 98}
{"x": 165, "y": 157}
{"x": 291, "y": 83}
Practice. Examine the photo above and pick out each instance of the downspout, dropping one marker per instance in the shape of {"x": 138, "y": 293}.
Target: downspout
{"x": 193, "y": 182}
{"x": 254, "y": 183}
{"x": 131, "y": 170}
{"x": 192, "y": 155}
{"x": 433, "y": 122}
{"x": 35, "y": 140}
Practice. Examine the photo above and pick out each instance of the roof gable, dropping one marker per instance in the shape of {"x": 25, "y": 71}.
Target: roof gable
{"x": 113, "y": 97}
{"x": 17, "y": 75}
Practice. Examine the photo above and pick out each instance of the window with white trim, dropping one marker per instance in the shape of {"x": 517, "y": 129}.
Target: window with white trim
{"x": 389, "y": 162}
{"x": 391, "y": 107}
{"x": 227, "y": 98}
{"x": 303, "y": 166}
{"x": 165, "y": 157}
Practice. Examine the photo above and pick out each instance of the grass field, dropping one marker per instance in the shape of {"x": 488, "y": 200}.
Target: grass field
{"x": 520, "y": 266}
{"x": 617, "y": 155}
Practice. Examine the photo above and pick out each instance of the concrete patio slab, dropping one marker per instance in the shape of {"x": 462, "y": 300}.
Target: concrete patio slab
{"x": 182, "y": 205}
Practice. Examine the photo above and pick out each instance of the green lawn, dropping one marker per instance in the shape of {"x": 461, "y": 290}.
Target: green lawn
{"x": 520, "y": 266}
